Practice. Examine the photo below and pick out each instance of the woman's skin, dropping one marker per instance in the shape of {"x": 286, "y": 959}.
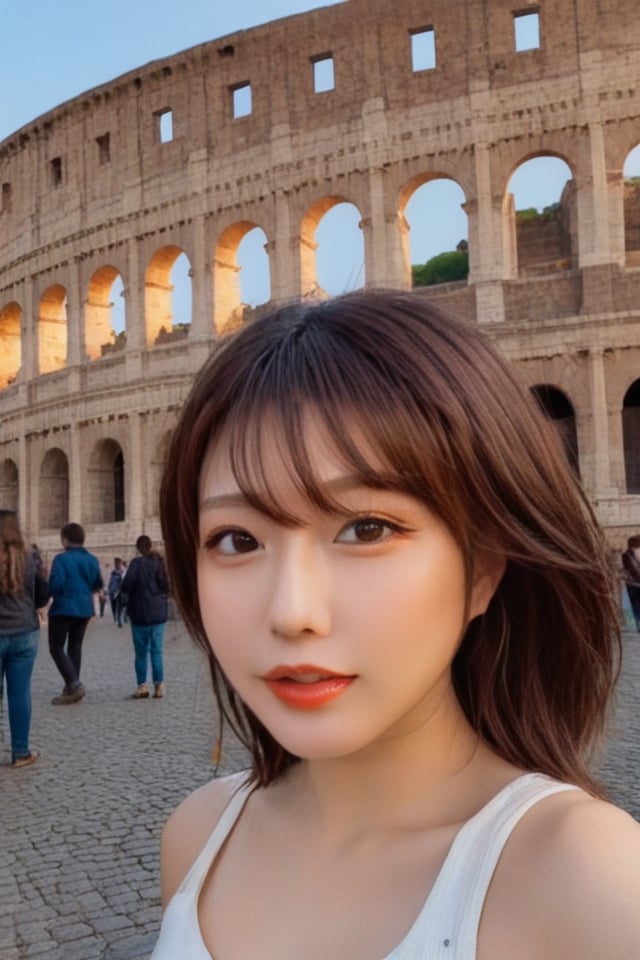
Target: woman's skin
{"x": 339, "y": 634}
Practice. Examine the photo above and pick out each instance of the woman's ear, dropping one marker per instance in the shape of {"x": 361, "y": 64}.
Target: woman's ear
{"x": 488, "y": 572}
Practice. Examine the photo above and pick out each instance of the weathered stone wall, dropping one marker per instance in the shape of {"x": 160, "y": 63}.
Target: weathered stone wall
{"x": 89, "y": 192}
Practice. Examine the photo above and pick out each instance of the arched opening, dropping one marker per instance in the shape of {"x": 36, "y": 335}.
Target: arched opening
{"x": 106, "y": 488}
{"x": 10, "y": 344}
{"x": 438, "y": 230}
{"x": 556, "y": 405}
{"x": 331, "y": 248}
{"x": 53, "y": 491}
{"x": 104, "y": 324}
{"x": 240, "y": 274}
{"x": 540, "y": 219}
{"x": 9, "y": 485}
{"x": 631, "y": 436}
{"x": 52, "y": 329}
{"x": 253, "y": 261}
{"x": 167, "y": 296}
{"x": 631, "y": 173}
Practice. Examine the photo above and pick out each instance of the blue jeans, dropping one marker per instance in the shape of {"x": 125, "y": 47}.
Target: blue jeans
{"x": 17, "y": 657}
{"x": 147, "y": 642}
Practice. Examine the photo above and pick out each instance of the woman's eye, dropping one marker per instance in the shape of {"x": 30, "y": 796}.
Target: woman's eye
{"x": 232, "y": 542}
{"x": 366, "y": 530}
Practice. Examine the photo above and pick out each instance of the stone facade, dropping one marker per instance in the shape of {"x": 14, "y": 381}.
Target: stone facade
{"x": 123, "y": 179}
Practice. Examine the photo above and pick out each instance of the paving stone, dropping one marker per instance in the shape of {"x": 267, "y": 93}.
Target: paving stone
{"x": 80, "y": 834}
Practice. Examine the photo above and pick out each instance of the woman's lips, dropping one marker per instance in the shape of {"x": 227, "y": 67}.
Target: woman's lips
{"x": 306, "y": 687}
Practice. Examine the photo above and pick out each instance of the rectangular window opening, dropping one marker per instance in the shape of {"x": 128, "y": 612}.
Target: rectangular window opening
{"x": 526, "y": 25}
{"x": 323, "y": 74}
{"x": 5, "y": 203}
{"x": 423, "y": 49}
{"x": 56, "y": 171}
{"x": 104, "y": 148}
{"x": 164, "y": 120}
{"x": 241, "y": 100}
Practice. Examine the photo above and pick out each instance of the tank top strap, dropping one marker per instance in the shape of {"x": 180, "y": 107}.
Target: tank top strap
{"x": 199, "y": 869}
{"x": 447, "y": 926}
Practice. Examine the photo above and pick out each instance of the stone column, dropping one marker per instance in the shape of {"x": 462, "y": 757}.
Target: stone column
{"x": 77, "y": 504}
{"x": 595, "y": 255}
{"x": 29, "y": 360}
{"x": 75, "y": 317}
{"x": 486, "y": 248}
{"x": 134, "y": 312}
{"x": 597, "y": 465}
{"x": 386, "y": 238}
{"x": 201, "y": 283}
{"x": 26, "y": 516}
{"x": 284, "y": 249}
{"x": 134, "y": 475}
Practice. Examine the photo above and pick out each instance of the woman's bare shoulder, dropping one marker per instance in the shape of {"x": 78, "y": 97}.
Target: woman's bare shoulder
{"x": 188, "y": 829}
{"x": 570, "y": 880}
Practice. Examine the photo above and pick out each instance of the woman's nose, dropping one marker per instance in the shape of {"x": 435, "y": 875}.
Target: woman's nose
{"x": 300, "y": 599}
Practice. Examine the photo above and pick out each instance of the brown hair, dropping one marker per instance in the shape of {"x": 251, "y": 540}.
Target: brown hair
{"x": 12, "y": 554}
{"x": 451, "y": 425}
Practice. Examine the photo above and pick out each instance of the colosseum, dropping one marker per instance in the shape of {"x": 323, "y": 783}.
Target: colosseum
{"x": 186, "y": 155}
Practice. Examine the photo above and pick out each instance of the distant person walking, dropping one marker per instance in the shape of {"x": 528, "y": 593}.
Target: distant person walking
{"x": 631, "y": 564}
{"x": 23, "y": 588}
{"x": 114, "y": 590}
{"x": 146, "y": 588}
{"x": 75, "y": 577}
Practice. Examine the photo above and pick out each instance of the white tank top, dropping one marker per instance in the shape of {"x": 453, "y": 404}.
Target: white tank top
{"x": 447, "y": 926}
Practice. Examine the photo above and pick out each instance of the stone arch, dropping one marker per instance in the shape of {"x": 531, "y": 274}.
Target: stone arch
{"x": 53, "y": 490}
{"x": 309, "y": 278}
{"x": 632, "y": 207}
{"x": 542, "y": 237}
{"x": 99, "y": 331}
{"x": 106, "y": 483}
{"x": 10, "y": 343}
{"x": 631, "y": 436}
{"x": 160, "y": 324}
{"x": 52, "y": 329}
{"x": 413, "y": 207}
{"x": 9, "y": 485}
{"x": 228, "y": 309}
{"x": 556, "y": 405}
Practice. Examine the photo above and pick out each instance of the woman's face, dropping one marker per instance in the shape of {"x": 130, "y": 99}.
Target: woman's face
{"x": 340, "y": 631}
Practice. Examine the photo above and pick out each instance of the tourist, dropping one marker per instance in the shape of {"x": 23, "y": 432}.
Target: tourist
{"x": 410, "y": 617}
{"x": 631, "y": 568}
{"x": 75, "y": 577}
{"x": 23, "y": 589}
{"x": 145, "y": 589}
{"x": 114, "y": 590}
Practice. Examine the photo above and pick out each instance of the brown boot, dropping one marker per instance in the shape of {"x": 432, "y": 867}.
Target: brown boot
{"x": 159, "y": 693}
{"x": 141, "y": 693}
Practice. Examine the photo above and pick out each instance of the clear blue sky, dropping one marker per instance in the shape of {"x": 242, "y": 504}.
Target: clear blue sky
{"x": 53, "y": 50}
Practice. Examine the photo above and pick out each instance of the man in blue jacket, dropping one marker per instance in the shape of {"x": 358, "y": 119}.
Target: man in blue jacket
{"x": 74, "y": 578}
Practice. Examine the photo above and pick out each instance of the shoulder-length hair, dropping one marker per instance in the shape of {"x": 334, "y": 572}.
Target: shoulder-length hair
{"x": 450, "y": 424}
{"x": 12, "y": 554}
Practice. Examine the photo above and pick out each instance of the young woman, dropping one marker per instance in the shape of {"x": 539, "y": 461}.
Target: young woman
{"x": 23, "y": 588}
{"x": 406, "y": 602}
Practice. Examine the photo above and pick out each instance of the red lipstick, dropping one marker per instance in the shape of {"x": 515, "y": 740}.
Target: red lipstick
{"x": 306, "y": 687}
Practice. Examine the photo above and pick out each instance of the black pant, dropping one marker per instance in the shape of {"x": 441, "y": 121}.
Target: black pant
{"x": 67, "y": 661}
{"x": 633, "y": 591}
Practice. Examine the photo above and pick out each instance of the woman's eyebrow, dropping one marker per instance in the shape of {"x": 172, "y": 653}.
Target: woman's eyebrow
{"x": 224, "y": 500}
{"x": 336, "y": 485}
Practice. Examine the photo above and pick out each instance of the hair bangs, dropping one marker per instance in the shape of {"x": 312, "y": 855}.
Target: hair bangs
{"x": 371, "y": 419}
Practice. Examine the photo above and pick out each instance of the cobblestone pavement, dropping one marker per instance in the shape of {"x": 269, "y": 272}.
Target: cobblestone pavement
{"x": 80, "y": 830}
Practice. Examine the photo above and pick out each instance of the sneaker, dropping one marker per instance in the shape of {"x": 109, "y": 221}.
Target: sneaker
{"x": 141, "y": 693}
{"x": 69, "y": 696}
{"x": 159, "y": 692}
{"x": 30, "y": 758}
